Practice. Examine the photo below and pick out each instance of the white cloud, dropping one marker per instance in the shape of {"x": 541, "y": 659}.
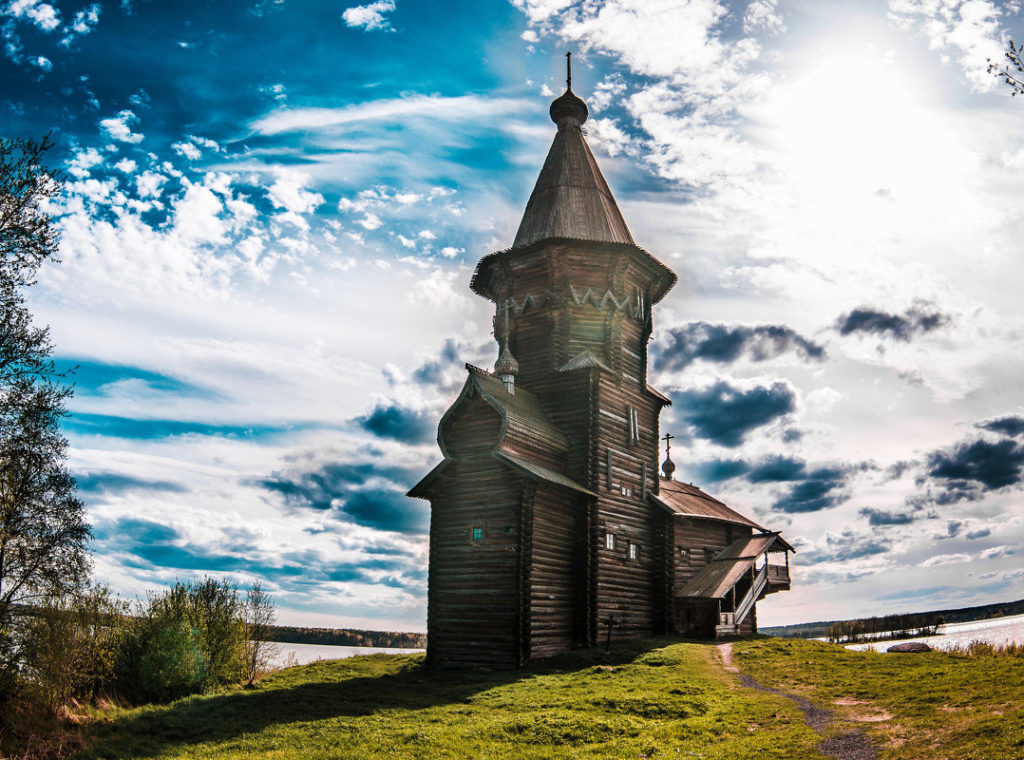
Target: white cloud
{"x": 969, "y": 27}
{"x": 42, "y": 15}
{"x": 120, "y": 127}
{"x": 188, "y": 150}
{"x": 370, "y": 17}
{"x": 289, "y": 192}
{"x": 42, "y": 62}
{"x": 149, "y": 184}
{"x": 450, "y": 252}
{"x": 763, "y": 15}
{"x": 370, "y": 222}
{"x": 126, "y": 165}
{"x": 197, "y": 216}
{"x": 83, "y": 161}
{"x": 946, "y": 559}
{"x": 83, "y": 22}
{"x": 541, "y": 10}
{"x": 459, "y": 108}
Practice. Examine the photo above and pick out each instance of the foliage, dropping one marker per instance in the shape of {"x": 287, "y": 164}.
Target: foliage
{"x": 939, "y": 704}
{"x": 348, "y": 637}
{"x": 72, "y": 644}
{"x": 643, "y": 699}
{"x": 885, "y": 627}
{"x": 1013, "y": 72}
{"x": 27, "y": 233}
{"x": 259, "y": 616}
{"x": 43, "y": 531}
{"x": 184, "y": 641}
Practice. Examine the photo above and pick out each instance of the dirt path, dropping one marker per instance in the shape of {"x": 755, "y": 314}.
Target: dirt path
{"x": 851, "y": 745}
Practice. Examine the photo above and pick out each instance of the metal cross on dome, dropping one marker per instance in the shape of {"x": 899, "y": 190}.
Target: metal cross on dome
{"x": 667, "y": 438}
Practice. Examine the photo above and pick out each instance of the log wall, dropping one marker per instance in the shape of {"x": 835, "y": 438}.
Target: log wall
{"x": 557, "y": 556}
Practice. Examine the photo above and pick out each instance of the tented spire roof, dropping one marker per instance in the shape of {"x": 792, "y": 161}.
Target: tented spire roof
{"x": 571, "y": 198}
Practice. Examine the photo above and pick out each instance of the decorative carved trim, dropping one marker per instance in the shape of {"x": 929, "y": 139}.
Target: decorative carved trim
{"x": 571, "y": 295}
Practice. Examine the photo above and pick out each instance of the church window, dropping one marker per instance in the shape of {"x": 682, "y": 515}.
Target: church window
{"x": 609, "y": 541}
{"x": 682, "y": 553}
{"x": 634, "y": 426}
{"x": 478, "y": 533}
{"x": 510, "y": 531}
{"x": 634, "y": 551}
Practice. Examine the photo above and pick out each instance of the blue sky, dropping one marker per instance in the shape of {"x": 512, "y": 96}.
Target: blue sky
{"x": 274, "y": 208}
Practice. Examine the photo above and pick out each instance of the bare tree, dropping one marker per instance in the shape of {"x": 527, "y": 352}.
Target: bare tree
{"x": 43, "y": 531}
{"x": 260, "y": 615}
{"x": 1012, "y": 72}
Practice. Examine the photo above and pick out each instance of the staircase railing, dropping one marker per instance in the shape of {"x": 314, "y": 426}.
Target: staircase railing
{"x": 760, "y": 580}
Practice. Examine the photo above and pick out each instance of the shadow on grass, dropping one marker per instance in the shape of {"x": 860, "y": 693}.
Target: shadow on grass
{"x": 327, "y": 692}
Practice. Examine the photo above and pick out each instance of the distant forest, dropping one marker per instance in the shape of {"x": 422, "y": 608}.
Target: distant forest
{"x": 820, "y": 628}
{"x": 347, "y": 637}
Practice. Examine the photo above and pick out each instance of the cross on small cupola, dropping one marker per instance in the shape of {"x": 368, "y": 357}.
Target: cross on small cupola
{"x": 567, "y": 110}
{"x": 668, "y": 466}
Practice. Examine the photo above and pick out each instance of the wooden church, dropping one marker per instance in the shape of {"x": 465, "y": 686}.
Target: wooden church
{"x": 550, "y": 526}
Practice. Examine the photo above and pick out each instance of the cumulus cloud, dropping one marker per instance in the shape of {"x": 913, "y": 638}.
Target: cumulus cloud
{"x": 120, "y": 127}
{"x": 367, "y": 494}
{"x": 847, "y": 544}
{"x": 819, "y": 489}
{"x": 42, "y": 15}
{"x": 970, "y": 465}
{"x": 878, "y": 517}
{"x": 763, "y": 15}
{"x": 398, "y": 423}
{"x": 289, "y": 192}
{"x": 370, "y": 17}
{"x": 725, "y": 414}
{"x": 917, "y": 320}
{"x": 725, "y": 343}
{"x": 968, "y": 28}
{"x": 1009, "y": 426}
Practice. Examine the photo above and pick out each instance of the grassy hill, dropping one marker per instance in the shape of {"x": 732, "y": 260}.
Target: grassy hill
{"x": 649, "y": 699}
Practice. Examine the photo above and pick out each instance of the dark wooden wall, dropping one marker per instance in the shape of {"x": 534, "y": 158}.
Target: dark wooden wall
{"x": 557, "y": 557}
{"x": 472, "y": 601}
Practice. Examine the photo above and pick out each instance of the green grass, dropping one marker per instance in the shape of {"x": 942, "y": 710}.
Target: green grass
{"x": 643, "y": 699}
{"x": 941, "y": 705}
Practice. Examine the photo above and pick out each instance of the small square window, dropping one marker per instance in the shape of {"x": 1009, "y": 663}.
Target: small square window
{"x": 478, "y": 533}
{"x": 609, "y": 540}
{"x": 682, "y": 553}
{"x": 510, "y": 531}
{"x": 634, "y": 551}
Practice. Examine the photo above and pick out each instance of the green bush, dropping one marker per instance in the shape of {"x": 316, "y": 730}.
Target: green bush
{"x": 185, "y": 641}
{"x": 70, "y": 645}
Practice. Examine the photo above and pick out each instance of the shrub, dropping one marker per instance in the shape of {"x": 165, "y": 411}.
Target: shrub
{"x": 71, "y": 645}
{"x": 184, "y": 641}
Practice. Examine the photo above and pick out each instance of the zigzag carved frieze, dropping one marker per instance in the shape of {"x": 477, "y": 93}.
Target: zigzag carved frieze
{"x": 570, "y": 295}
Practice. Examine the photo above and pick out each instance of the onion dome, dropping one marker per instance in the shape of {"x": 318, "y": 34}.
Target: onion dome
{"x": 506, "y": 364}
{"x": 668, "y": 467}
{"x": 568, "y": 110}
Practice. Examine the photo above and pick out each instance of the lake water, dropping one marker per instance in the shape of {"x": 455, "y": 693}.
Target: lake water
{"x": 1004, "y": 630}
{"x": 305, "y": 653}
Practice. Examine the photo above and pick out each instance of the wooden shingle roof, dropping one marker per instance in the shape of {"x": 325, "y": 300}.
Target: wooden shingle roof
{"x": 722, "y": 573}
{"x": 689, "y": 501}
{"x": 571, "y": 198}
